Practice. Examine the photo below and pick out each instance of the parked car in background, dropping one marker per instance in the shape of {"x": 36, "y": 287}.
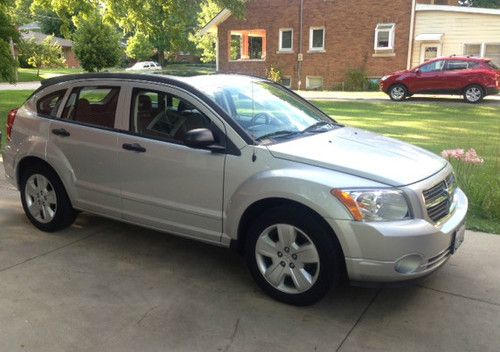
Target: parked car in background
{"x": 474, "y": 78}
{"x": 145, "y": 65}
{"x": 237, "y": 162}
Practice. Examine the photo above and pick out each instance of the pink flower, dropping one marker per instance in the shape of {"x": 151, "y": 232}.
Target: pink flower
{"x": 468, "y": 157}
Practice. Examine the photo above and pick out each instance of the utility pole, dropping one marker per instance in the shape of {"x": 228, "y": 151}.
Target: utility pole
{"x": 13, "y": 52}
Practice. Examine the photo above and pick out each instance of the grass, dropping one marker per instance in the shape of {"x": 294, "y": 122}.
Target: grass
{"x": 431, "y": 126}
{"x": 438, "y": 127}
{"x": 10, "y": 99}
{"x": 29, "y": 74}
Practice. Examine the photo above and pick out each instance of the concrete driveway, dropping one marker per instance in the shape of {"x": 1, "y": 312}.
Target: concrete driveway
{"x": 105, "y": 286}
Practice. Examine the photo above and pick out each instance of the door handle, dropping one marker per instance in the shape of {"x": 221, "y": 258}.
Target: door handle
{"x": 135, "y": 147}
{"x": 61, "y": 132}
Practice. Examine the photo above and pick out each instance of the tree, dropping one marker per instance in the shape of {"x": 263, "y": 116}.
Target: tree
{"x": 46, "y": 54}
{"x": 206, "y": 43}
{"x": 168, "y": 23}
{"x": 481, "y": 3}
{"x": 8, "y": 32}
{"x": 139, "y": 47}
{"x": 97, "y": 44}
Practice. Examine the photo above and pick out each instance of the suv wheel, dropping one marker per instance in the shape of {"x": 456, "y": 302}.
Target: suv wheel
{"x": 473, "y": 94}
{"x": 292, "y": 257}
{"x": 398, "y": 92}
{"x": 45, "y": 200}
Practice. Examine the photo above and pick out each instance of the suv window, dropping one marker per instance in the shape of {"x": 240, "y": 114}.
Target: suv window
{"x": 164, "y": 116}
{"x": 432, "y": 67}
{"x": 92, "y": 105}
{"x": 49, "y": 104}
{"x": 455, "y": 65}
{"x": 493, "y": 66}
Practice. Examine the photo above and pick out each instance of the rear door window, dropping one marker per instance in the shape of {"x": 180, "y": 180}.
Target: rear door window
{"x": 455, "y": 65}
{"x": 49, "y": 104}
{"x": 94, "y": 105}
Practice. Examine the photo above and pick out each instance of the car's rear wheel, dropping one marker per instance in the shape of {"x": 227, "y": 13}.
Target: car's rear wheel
{"x": 398, "y": 92}
{"x": 44, "y": 199}
{"x": 292, "y": 257}
{"x": 473, "y": 94}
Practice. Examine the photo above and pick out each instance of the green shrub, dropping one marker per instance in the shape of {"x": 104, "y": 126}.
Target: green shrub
{"x": 274, "y": 74}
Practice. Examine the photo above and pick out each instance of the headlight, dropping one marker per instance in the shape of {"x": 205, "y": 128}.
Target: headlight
{"x": 384, "y": 78}
{"x": 374, "y": 205}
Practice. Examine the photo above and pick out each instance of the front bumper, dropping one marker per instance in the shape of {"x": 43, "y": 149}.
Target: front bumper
{"x": 375, "y": 251}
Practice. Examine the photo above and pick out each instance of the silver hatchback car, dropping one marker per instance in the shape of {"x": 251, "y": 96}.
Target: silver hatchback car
{"x": 237, "y": 162}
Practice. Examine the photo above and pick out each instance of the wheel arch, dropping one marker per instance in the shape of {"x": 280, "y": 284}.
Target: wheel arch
{"x": 32, "y": 160}
{"x": 258, "y": 207}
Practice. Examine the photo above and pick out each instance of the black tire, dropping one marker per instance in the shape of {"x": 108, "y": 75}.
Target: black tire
{"x": 64, "y": 213}
{"x": 474, "y": 94}
{"x": 398, "y": 92}
{"x": 331, "y": 258}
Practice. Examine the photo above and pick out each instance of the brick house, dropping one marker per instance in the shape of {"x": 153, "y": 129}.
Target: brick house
{"x": 315, "y": 42}
{"x": 66, "y": 45}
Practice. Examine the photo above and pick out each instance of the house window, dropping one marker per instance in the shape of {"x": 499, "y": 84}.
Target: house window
{"x": 314, "y": 83}
{"x": 492, "y": 51}
{"x": 255, "y": 47}
{"x": 286, "y": 81}
{"x": 286, "y": 39}
{"x": 384, "y": 36}
{"x": 247, "y": 45}
{"x": 472, "y": 50}
{"x": 317, "y": 39}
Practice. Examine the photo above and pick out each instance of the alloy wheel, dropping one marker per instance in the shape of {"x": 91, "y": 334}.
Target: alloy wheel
{"x": 40, "y": 198}
{"x": 287, "y": 258}
{"x": 398, "y": 93}
{"x": 473, "y": 94}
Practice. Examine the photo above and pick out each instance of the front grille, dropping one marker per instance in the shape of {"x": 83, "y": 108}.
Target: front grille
{"x": 439, "y": 198}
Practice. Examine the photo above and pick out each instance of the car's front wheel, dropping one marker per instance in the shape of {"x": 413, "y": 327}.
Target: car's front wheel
{"x": 398, "y": 92}
{"x": 473, "y": 94}
{"x": 44, "y": 199}
{"x": 292, "y": 256}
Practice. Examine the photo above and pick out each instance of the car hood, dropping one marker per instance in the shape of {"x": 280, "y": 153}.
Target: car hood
{"x": 363, "y": 154}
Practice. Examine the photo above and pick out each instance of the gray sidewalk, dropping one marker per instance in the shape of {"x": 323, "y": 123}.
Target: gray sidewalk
{"x": 102, "y": 285}
{"x": 20, "y": 86}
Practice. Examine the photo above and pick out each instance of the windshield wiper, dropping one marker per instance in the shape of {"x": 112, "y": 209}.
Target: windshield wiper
{"x": 317, "y": 125}
{"x": 282, "y": 133}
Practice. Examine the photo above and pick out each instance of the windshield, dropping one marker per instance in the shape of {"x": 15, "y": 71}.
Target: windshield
{"x": 266, "y": 110}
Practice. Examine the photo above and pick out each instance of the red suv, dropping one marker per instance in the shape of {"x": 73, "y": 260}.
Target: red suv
{"x": 474, "y": 78}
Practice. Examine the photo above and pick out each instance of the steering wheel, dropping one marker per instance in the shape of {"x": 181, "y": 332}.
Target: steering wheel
{"x": 262, "y": 115}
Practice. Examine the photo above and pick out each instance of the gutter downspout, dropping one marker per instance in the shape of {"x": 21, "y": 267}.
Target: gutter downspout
{"x": 412, "y": 33}
{"x": 300, "y": 55}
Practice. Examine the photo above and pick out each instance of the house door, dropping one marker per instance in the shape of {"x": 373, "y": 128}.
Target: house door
{"x": 429, "y": 52}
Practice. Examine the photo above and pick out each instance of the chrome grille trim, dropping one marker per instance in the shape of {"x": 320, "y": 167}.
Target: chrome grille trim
{"x": 439, "y": 198}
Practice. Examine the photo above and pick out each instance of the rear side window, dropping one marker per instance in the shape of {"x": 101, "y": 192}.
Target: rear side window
{"x": 493, "y": 66}
{"x": 49, "y": 104}
{"x": 92, "y": 105}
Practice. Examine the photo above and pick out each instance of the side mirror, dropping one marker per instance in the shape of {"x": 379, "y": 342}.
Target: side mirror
{"x": 202, "y": 138}
{"x": 417, "y": 71}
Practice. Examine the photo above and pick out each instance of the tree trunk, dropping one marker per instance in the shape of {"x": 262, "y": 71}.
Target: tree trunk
{"x": 161, "y": 57}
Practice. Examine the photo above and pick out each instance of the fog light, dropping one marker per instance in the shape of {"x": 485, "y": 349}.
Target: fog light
{"x": 408, "y": 264}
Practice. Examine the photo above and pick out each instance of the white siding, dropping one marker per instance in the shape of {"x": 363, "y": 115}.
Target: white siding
{"x": 458, "y": 29}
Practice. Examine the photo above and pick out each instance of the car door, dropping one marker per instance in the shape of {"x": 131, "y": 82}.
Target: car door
{"x": 165, "y": 184}
{"x": 458, "y": 74}
{"x": 429, "y": 78}
{"x": 83, "y": 144}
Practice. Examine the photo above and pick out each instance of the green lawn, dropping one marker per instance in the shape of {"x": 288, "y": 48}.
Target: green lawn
{"x": 437, "y": 127}
{"x": 29, "y": 74}
{"x": 431, "y": 126}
